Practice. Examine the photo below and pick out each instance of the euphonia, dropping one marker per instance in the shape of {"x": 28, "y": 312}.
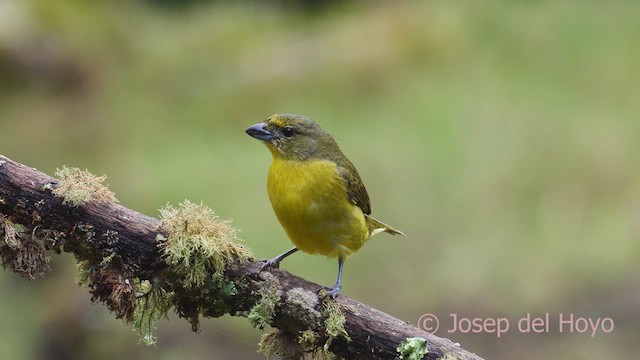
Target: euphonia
{"x": 315, "y": 191}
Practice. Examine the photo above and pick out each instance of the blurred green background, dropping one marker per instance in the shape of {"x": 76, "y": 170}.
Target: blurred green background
{"x": 503, "y": 137}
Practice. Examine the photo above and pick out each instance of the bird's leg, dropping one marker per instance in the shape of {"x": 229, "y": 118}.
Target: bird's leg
{"x": 275, "y": 262}
{"x": 335, "y": 289}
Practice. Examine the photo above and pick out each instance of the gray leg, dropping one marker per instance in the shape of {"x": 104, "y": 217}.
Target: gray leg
{"x": 275, "y": 262}
{"x": 335, "y": 289}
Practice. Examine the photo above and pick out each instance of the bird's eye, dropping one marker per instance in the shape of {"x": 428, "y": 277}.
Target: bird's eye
{"x": 288, "y": 131}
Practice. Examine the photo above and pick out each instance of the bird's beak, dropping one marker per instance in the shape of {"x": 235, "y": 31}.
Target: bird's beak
{"x": 259, "y": 132}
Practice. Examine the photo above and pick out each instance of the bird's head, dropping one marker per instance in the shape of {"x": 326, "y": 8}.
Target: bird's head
{"x": 293, "y": 137}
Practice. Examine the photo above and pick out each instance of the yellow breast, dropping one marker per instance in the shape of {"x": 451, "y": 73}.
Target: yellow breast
{"x": 310, "y": 200}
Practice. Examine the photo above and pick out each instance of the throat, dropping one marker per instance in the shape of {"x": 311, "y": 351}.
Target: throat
{"x": 299, "y": 178}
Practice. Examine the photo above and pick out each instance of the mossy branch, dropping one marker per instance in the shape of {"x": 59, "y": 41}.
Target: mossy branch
{"x": 189, "y": 262}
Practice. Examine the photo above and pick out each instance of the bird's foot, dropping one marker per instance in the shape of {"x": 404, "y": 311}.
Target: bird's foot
{"x": 332, "y": 291}
{"x": 271, "y": 263}
{"x": 275, "y": 262}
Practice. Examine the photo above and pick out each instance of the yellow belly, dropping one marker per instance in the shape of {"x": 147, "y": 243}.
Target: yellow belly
{"x": 310, "y": 200}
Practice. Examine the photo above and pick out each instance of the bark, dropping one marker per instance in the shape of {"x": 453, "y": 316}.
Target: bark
{"x": 95, "y": 230}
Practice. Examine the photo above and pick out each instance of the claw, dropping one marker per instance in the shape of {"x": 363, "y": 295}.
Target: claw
{"x": 335, "y": 289}
{"x": 332, "y": 291}
{"x": 270, "y": 263}
{"x": 275, "y": 262}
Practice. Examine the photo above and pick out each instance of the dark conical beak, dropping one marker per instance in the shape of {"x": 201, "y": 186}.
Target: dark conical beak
{"x": 260, "y": 132}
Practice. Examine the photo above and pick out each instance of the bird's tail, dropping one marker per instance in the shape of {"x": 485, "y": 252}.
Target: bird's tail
{"x": 377, "y": 226}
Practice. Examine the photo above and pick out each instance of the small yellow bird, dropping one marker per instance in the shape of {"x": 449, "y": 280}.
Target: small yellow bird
{"x": 315, "y": 191}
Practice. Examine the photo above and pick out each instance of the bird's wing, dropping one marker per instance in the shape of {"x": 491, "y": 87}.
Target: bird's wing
{"x": 355, "y": 187}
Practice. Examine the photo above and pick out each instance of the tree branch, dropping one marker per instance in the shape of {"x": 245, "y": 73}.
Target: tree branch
{"x": 99, "y": 233}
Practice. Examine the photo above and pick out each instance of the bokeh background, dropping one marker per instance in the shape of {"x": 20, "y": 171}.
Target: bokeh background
{"x": 503, "y": 137}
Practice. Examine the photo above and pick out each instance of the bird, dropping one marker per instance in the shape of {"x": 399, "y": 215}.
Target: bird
{"x": 316, "y": 192}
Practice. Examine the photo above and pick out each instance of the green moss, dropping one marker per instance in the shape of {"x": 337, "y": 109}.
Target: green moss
{"x": 282, "y": 345}
{"x": 77, "y": 187}
{"x": 262, "y": 313}
{"x": 412, "y": 348}
{"x": 222, "y": 286}
{"x": 199, "y": 244}
{"x": 279, "y": 345}
{"x": 308, "y": 340}
{"x": 138, "y": 303}
{"x": 222, "y": 292}
{"x": 83, "y": 273}
{"x": 107, "y": 260}
{"x": 334, "y": 321}
{"x": 48, "y": 187}
{"x": 153, "y": 303}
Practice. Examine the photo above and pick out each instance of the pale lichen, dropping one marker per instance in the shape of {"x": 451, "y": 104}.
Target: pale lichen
{"x": 10, "y": 234}
{"x": 449, "y": 357}
{"x": 77, "y": 187}
{"x": 303, "y": 303}
{"x": 21, "y": 250}
{"x": 198, "y": 243}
